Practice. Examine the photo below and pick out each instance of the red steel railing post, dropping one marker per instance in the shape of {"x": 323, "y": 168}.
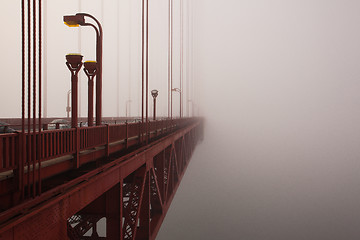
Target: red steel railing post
{"x": 77, "y": 151}
{"x": 140, "y": 132}
{"x": 107, "y": 140}
{"x": 127, "y": 135}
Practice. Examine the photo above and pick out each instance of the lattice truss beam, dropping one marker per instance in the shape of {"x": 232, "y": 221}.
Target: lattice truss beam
{"x": 135, "y": 208}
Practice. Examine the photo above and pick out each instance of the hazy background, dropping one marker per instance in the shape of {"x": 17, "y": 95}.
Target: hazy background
{"x": 278, "y": 82}
{"x": 280, "y": 160}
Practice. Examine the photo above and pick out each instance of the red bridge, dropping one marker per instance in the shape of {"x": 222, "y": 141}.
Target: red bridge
{"x": 119, "y": 174}
{"x": 81, "y": 175}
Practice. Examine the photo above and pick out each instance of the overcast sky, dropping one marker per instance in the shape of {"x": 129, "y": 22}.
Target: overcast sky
{"x": 280, "y": 159}
{"x": 278, "y": 82}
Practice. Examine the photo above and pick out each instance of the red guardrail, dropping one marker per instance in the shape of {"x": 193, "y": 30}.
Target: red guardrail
{"x": 76, "y": 147}
{"x": 57, "y": 143}
{"x": 9, "y": 151}
{"x": 91, "y": 137}
{"x": 117, "y": 132}
{"x": 52, "y": 144}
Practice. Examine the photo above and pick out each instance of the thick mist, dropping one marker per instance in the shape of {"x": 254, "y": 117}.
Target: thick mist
{"x": 280, "y": 90}
{"x": 278, "y": 83}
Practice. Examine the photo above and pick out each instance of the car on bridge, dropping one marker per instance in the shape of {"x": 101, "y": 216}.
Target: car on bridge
{"x": 4, "y": 128}
{"x": 59, "y": 124}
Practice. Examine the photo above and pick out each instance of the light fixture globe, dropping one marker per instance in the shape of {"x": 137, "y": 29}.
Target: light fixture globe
{"x": 154, "y": 93}
{"x": 90, "y": 67}
{"x": 74, "y": 59}
{"x": 74, "y": 20}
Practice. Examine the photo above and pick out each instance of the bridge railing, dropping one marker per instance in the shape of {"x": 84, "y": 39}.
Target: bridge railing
{"x": 52, "y": 152}
{"x": 117, "y": 132}
{"x": 9, "y": 151}
{"x": 61, "y": 142}
{"x": 91, "y": 137}
{"x": 57, "y": 143}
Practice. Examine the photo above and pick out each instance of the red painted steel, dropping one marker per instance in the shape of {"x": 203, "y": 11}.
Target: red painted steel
{"x": 132, "y": 191}
{"x": 62, "y": 150}
{"x": 58, "y": 184}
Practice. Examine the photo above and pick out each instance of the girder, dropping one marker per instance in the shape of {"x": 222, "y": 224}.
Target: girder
{"x": 132, "y": 192}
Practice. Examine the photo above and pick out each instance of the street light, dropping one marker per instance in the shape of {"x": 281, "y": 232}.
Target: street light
{"x": 179, "y": 91}
{"x": 74, "y": 63}
{"x": 90, "y": 69}
{"x": 79, "y": 20}
{"x": 154, "y": 94}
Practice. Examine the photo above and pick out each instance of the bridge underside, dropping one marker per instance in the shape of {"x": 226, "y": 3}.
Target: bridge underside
{"x": 129, "y": 195}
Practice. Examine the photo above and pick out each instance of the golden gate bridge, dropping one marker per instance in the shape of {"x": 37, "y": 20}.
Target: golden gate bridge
{"x": 60, "y": 179}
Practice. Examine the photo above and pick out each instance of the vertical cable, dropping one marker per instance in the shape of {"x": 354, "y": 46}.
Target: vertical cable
{"x": 118, "y": 61}
{"x": 129, "y": 90}
{"x": 29, "y": 97}
{"x": 142, "y": 67}
{"x": 44, "y": 30}
{"x": 34, "y": 100}
{"x": 23, "y": 149}
{"x": 181, "y": 56}
{"x": 80, "y": 50}
{"x": 40, "y": 92}
{"x": 187, "y": 60}
{"x": 169, "y": 56}
{"x": 192, "y": 58}
{"x": 147, "y": 70}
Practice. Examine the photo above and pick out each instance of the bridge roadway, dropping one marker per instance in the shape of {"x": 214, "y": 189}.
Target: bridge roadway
{"x": 58, "y": 184}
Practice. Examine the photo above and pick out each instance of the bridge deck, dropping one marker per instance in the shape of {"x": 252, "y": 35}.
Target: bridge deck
{"x": 116, "y": 172}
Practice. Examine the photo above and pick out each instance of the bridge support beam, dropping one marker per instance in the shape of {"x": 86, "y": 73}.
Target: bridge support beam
{"x": 132, "y": 192}
{"x": 114, "y": 212}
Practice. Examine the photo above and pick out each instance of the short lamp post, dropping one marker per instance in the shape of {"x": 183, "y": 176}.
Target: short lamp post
{"x": 154, "y": 94}
{"x": 90, "y": 69}
{"x": 79, "y": 20}
{"x": 74, "y": 63}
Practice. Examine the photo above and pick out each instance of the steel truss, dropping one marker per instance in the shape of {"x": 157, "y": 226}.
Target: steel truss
{"x": 132, "y": 193}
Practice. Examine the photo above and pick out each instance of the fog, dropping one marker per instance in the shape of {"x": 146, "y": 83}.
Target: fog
{"x": 278, "y": 84}
{"x": 280, "y": 159}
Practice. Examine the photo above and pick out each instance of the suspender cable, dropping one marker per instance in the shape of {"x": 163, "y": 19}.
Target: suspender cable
{"x": 34, "y": 101}
{"x": 129, "y": 90}
{"x": 44, "y": 57}
{"x": 181, "y": 57}
{"x": 23, "y": 156}
{"x": 118, "y": 60}
{"x": 79, "y": 51}
{"x": 169, "y": 58}
{"x": 142, "y": 68}
{"x": 29, "y": 95}
{"x": 187, "y": 60}
{"x": 147, "y": 70}
{"x": 40, "y": 92}
{"x": 171, "y": 63}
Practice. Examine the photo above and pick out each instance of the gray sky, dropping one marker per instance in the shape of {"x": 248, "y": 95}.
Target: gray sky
{"x": 280, "y": 159}
{"x": 278, "y": 82}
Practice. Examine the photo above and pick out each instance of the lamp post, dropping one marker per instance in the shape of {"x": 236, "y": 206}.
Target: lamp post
{"x": 90, "y": 69}
{"x": 154, "y": 94}
{"x": 68, "y": 108}
{"x": 79, "y": 20}
{"x": 74, "y": 63}
{"x": 179, "y": 91}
